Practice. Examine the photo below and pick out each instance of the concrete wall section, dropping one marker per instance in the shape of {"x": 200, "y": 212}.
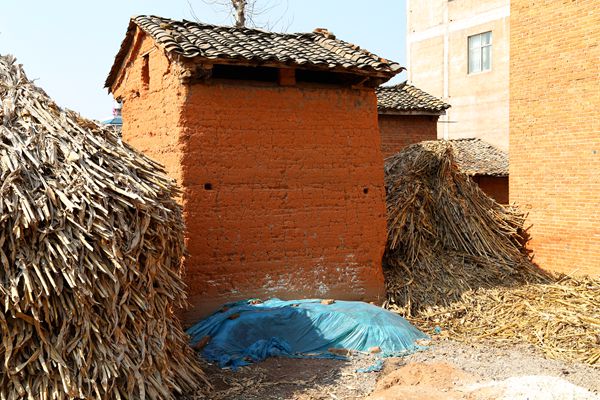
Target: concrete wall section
{"x": 479, "y": 100}
{"x": 438, "y": 32}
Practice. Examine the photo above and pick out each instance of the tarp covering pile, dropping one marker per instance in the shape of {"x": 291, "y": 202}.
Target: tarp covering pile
{"x": 445, "y": 236}
{"x": 455, "y": 260}
{"x": 244, "y": 332}
{"x": 90, "y": 251}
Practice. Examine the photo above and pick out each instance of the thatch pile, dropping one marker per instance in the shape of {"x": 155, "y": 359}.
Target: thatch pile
{"x": 445, "y": 236}
{"x": 455, "y": 259}
{"x": 90, "y": 251}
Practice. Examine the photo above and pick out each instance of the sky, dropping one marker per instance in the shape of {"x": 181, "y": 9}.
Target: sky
{"x": 68, "y": 46}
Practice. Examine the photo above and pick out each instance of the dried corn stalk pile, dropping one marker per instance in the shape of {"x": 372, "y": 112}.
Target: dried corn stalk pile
{"x": 90, "y": 250}
{"x": 445, "y": 236}
{"x": 455, "y": 259}
{"x": 561, "y": 318}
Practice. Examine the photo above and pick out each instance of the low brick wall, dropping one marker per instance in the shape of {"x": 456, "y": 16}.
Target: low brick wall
{"x": 494, "y": 186}
{"x": 399, "y": 131}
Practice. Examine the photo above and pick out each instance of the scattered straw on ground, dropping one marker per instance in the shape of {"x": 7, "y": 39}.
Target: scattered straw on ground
{"x": 562, "y": 319}
{"x": 90, "y": 248}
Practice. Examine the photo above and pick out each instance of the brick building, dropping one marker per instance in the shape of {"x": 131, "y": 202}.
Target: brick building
{"x": 407, "y": 115}
{"x": 273, "y": 139}
{"x": 485, "y": 164}
{"x": 555, "y": 129}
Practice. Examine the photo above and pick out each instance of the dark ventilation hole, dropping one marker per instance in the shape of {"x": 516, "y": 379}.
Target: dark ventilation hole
{"x": 240, "y": 72}
{"x": 208, "y": 186}
{"x": 327, "y": 77}
{"x": 365, "y": 190}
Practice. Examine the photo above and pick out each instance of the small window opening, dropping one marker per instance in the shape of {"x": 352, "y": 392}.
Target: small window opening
{"x": 241, "y": 72}
{"x": 208, "y": 186}
{"x": 327, "y": 77}
{"x": 146, "y": 71}
{"x": 366, "y": 190}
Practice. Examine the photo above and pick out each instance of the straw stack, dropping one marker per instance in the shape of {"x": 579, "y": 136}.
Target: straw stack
{"x": 445, "y": 236}
{"x": 455, "y": 260}
{"x": 90, "y": 251}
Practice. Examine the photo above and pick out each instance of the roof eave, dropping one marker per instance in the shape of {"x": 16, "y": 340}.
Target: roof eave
{"x": 121, "y": 55}
{"x": 199, "y": 59}
{"x": 120, "y": 58}
{"x": 411, "y": 112}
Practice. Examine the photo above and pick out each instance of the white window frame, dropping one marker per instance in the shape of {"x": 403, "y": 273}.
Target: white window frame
{"x": 481, "y": 48}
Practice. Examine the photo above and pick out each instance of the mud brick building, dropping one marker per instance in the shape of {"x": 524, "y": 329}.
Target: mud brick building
{"x": 485, "y": 164}
{"x": 274, "y": 141}
{"x": 407, "y": 115}
{"x": 555, "y": 129}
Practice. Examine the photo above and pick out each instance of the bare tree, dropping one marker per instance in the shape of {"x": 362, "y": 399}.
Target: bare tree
{"x": 248, "y": 12}
{"x": 239, "y": 7}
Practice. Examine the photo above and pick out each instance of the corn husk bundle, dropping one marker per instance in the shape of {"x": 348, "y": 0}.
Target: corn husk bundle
{"x": 90, "y": 250}
{"x": 445, "y": 236}
{"x": 561, "y": 318}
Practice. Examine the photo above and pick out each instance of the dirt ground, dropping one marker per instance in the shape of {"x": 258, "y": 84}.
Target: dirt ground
{"x": 447, "y": 370}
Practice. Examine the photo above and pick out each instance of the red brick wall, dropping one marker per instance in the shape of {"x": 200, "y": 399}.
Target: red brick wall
{"x": 555, "y": 129}
{"x": 494, "y": 186}
{"x": 398, "y": 131}
{"x": 282, "y": 186}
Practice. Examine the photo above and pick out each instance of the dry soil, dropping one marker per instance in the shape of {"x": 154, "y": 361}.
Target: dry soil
{"x": 447, "y": 370}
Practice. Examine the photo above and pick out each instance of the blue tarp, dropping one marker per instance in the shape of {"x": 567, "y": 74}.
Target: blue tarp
{"x": 242, "y": 332}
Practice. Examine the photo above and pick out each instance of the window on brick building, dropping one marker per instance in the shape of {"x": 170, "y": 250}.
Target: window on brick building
{"x": 480, "y": 52}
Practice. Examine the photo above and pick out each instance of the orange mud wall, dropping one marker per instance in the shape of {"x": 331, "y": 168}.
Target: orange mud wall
{"x": 399, "y": 131}
{"x": 283, "y": 191}
{"x": 153, "y": 99}
{"x": 555, "y": 129}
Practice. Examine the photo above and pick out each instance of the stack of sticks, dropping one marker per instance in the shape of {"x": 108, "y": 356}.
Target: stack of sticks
{"x": 457, "y": 260}
{"x": 445, "y": 236}
{"x": 91, "y": 243}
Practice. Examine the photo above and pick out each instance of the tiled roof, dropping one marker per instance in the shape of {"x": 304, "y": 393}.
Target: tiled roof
{"x": 316, "y": 50}
{"x": 476, "y": 157}
{"x": 406, "y": 98}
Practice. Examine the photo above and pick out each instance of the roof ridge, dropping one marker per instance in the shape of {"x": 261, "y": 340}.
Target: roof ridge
{"x": 309, "y": 50}
{"x": 227, "y": 27}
